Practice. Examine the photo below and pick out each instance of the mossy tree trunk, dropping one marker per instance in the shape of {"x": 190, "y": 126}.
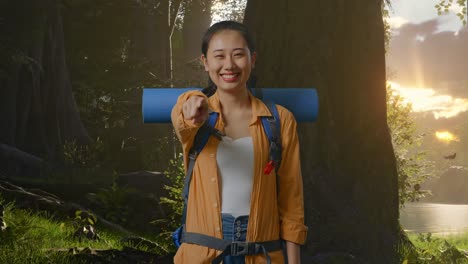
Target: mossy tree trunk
{"x": 38, "y": 109}
{"x": 348, "y": 164}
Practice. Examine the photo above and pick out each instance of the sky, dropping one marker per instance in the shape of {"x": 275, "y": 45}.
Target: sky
{"x": 418, "y": 11}
{"x": 427, "y": 58}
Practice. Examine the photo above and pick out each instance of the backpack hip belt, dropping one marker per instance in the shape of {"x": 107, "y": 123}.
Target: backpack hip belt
{"x": 232, "y": 248}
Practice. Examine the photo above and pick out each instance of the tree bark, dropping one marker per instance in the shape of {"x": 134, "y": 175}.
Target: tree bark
{"x": 348, "y": 164}
{"x": 39, "y": 112}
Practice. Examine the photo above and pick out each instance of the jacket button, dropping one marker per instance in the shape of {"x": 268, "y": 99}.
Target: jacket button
{"x": 213, "y": 179}
{"x": 215, "y": 205}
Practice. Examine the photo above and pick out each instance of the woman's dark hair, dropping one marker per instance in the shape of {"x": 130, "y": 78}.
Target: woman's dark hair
{"x": 227, "y": 25}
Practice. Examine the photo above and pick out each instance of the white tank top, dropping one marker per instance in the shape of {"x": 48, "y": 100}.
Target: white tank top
{"x": 236, "y": 167}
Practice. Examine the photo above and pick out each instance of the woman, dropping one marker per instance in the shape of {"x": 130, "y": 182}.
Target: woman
{"x": 230, "y": 196}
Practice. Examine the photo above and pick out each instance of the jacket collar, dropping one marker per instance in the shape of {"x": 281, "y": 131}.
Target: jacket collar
{"x": 258, "y": 107}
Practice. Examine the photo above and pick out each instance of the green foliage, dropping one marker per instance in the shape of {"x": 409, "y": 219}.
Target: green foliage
{"x": 411, "y": 164}
{"x": 112, "y": 203}
{"x": 36, "y": 237}
{"x": 111, "y": 57}
{"x": 77, "y": 155}
{"x": 155, "y": 149}
{"x": 111, "y": 60}
{"x": 95, "y": 163}
{"x": 443, "y": 6}
{"x": 84, "y": 218}
{"x": 176, "y": 174}
{"x": 435, "y": 250}
{"x": 84, "y": 224}
{"x": 386, "y": 5}
{"x": 90, "y": 163}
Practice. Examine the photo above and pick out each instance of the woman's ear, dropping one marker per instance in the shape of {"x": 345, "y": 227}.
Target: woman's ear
{"x": 205, "y": 61}
{"x": 253, "y": 59}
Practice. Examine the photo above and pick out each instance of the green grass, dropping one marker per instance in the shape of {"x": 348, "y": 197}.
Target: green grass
{"x": 36, "y": 237}
{"x": 458, "y": 240}
{"x": 438, "y": 249}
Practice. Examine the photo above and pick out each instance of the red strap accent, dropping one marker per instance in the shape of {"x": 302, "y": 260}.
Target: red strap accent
{"x": 269, "y": 167}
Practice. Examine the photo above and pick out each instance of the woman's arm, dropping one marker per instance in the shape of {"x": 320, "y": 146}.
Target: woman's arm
{"x": 185, "y": 123}
{"x": 290, "y": 189}
{"x": 294, "y": 253}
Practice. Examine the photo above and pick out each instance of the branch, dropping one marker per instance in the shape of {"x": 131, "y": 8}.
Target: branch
{"x": 173, "y": 15}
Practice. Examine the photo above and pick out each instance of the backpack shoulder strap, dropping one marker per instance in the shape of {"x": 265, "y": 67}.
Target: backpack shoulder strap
{"x": 272, "y": 127}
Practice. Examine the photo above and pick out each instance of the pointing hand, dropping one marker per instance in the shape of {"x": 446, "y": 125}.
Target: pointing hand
{"x": 196, "y": 109}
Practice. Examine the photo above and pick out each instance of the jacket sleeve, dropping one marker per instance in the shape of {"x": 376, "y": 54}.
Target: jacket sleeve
{"x": 185, "y": 129}
{"x": 290, "y": 190}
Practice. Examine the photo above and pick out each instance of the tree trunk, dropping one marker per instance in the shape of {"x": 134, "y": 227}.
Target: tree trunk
{"x": 348, "y": 164}
{"x": 38, "y": 109}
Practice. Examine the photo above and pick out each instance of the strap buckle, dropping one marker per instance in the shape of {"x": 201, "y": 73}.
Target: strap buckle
{"x": 239, "y": 248}
{"x": 193, "y": 155}
{"x": 271, "y": 119}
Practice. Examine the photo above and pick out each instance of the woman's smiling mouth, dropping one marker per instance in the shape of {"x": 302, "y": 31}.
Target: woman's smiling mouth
{"x": 231, "y": 77}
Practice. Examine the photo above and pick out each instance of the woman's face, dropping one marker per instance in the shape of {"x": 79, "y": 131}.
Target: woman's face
{"x": 228, "y": 61}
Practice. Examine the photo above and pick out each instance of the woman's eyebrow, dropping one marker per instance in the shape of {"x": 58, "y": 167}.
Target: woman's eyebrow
{"x": 232, "y": 49}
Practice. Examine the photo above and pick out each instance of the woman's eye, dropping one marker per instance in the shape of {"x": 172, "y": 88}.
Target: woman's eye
{"x": 219, "y": 56}
{"x": 239, "y": 54}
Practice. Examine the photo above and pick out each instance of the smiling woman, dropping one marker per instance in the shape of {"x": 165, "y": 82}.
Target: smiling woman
{"x": 229, "y": 60}
{"x": 246, "y": 185}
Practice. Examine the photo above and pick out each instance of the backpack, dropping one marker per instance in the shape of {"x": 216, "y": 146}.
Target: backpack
{"x": 272, "y": 127}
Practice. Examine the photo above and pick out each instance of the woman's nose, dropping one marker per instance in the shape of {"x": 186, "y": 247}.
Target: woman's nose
{"x": 229, "y": 63}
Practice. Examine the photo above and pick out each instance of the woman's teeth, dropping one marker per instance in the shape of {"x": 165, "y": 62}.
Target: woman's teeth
{"x": 229, "y": 76}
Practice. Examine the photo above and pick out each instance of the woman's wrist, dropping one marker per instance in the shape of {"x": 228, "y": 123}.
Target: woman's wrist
{"x": 294, "y": 252}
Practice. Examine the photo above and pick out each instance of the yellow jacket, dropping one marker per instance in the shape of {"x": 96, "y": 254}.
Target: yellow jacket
{"x": 271, "y": 216}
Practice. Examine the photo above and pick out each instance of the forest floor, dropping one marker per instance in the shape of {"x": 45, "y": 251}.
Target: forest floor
{"x": 28, "y": 237}
{"x": 37, "y": 236}
{"x": 40, "y": 238}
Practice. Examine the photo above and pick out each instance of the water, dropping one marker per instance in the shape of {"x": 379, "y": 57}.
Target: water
{"x": 442, "y": 219}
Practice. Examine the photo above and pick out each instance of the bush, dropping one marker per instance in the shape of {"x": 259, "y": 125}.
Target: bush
{"x": 176, "y": 174}
{"x": 411, "y": 164}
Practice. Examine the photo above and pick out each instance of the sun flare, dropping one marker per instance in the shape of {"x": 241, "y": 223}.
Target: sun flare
{"x": 446, "y": 136}
{"x": 428, "y": 100}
